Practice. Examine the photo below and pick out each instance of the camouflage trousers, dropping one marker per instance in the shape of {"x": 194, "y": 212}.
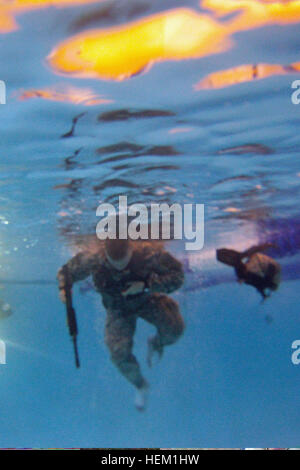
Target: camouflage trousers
{"x": 159, "y": 310}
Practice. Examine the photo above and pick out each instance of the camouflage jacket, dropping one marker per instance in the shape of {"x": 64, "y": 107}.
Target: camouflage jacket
{"x": 157, "y": 268}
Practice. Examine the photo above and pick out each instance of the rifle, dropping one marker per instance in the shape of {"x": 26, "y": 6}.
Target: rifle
{"x": 71, "y": 314}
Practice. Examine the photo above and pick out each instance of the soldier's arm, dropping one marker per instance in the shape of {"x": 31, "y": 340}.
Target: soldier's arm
{"x": 79, "y": 268}
{"x": 257, "y": 249}
{"x": 167, "y": 275}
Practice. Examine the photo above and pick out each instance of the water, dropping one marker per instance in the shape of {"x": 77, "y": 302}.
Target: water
{"x": 230, "y": 381}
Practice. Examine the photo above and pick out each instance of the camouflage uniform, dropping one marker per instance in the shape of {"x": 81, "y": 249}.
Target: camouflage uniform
{"x": 161, "y": 273}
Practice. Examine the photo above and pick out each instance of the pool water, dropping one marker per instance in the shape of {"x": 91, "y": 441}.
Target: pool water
{"x": 188, "y": 125}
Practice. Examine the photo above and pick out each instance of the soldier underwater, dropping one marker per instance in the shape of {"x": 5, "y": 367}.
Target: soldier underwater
{"x": 253, "y": 267}
{"x": 133, "y": 279}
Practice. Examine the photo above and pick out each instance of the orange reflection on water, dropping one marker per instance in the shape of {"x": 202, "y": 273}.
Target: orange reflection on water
{"x": 121, "y": 52}
{"x": 296, "y": 66}
{"x": 254, "y": 13}
{"x": 70, "y": 95}
{"x": 10, "y": 8}
{"x": 244, "y": 73}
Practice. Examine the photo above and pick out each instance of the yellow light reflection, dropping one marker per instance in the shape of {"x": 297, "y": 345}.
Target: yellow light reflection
{"x": 69, "y": 95}
{"x": 255, "y": 13}
{"x": 10, "y": 8}
{"x": 241, "y": 74}
{"x": 121, "y": 52}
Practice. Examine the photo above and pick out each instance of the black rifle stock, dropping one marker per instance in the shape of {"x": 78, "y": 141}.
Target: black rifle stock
{"x": 71, "y": 314}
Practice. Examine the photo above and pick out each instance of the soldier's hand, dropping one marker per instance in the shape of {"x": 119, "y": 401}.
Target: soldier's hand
{"x": 135, "y": 288}
{"x": 153, "y": 281}
{"x": 62, "y": 296}
{"x": 61, "y": 286}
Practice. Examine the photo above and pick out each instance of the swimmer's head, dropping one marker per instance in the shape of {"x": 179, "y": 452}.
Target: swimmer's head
{"x": 118, "y": 253}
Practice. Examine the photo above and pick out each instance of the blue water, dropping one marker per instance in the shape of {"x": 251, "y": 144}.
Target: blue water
{"x": 230, "y": 381}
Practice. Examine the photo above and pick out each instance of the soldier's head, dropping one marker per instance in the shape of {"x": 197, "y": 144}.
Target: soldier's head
{"x": 118, "y": 253}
